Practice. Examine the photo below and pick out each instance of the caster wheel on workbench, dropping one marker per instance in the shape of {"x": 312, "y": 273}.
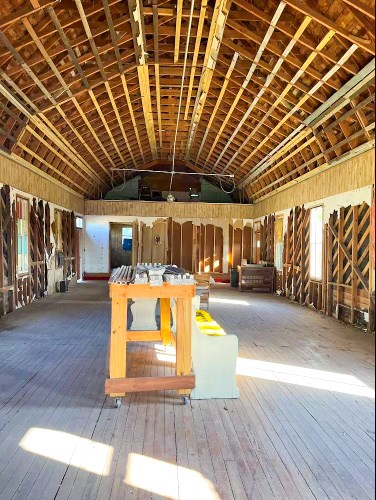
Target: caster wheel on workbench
{"x": 117, "y": 402}
{"x": 185, "y": 400}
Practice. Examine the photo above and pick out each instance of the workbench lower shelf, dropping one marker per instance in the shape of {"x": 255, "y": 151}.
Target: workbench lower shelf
{"x": 144, "y": 384}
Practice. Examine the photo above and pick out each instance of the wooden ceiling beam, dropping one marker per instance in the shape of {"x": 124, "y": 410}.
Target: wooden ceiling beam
{"x": 220, "y": 97}
{"x": 368, "y": 25}
{"x": 314, "y": 89}
{"x": 139, "y": 41}
{"x": 42, "y": 123}
{"x": 255, "y": 62}
{"x": 68, "y": 22}
{"x": 288, "y": 30}
{"x": 85, "y": 82}
{"x": 284, "y": 75}
{"x": 274, "y": 48}
{"x": 104, "y": 77}
{"x": 305, "y": 8}
{"x": 313, "y": 123}
{"x": 303, "y": 166}
{"x": 361, "y": 7}
{"x": 156, "y": 71}
{"x": 43, "y": 51}
{"x": 193, "y": 67}
{"x": 179, "y": 10}
{"x": 23, "y": 12}
{"x": 218, "y": 22}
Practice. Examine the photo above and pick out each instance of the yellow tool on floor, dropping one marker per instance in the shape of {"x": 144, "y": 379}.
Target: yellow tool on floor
{"x": 207, "y": 325}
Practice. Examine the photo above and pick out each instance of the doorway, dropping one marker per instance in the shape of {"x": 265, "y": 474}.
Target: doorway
{"x": 121, "y": 245}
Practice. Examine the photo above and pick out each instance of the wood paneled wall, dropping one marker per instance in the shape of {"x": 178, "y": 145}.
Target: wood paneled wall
{"x": 348, "y": 263}
{"x": 190, "y": 210}
{"x": 35, "y": 184}
{"x": 19, "y": 290}
{"x": 347, "y": 176}
{"x": 197, "y": 248}
{"x": 267, "y": 239}
{"x": 345, "y": 290}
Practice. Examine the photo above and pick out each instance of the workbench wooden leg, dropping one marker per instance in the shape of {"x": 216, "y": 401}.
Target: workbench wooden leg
{"x": 183, "y": 339}
{"x": 118, "y": 340}
{"x": 165, "y": 321}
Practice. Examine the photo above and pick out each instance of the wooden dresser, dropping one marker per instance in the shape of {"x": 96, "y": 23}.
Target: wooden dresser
{"x": 257, "y": 278}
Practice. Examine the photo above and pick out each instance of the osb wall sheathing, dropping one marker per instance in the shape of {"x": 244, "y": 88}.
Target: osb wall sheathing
{"x": 25, "y": 180}
{"x": 188, "y": 210}
{"x": 347, "y": 176}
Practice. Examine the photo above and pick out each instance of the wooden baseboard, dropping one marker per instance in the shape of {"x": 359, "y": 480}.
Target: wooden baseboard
{"x": 143, "y": 384}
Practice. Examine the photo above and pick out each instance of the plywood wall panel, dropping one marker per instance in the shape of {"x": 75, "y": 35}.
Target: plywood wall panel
{"x": 159, "y": 242}
{"x": 187, "y": 246}
{"x": 237, "y": 247}
{"x": 176, "y": 243}
{"x": 230, "y": 243}
{"x": 169, "y": 241}
{"x": 218, "y": 253}
{"x": 209, "y": 248}
{"x": 247, "y": 243}
{"x": 146, "y": 232}
{"x": 202, "y": 248}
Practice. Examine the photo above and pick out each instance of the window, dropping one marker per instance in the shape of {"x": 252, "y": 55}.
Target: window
{"x": 79, "y": 222}
{"x": 22, "y": 235}
{"x": 126, "y": 237}
{"x": 315, "y": 243}
{"x": 279, "y": 243}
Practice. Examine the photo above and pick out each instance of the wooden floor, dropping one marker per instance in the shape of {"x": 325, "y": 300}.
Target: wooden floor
{"x": 303, "y": 427}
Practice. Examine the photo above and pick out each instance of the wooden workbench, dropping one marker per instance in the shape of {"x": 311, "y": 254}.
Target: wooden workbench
{"x": 184, "y": 380}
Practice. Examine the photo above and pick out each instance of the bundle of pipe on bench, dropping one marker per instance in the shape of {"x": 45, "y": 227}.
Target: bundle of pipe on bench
{"x": 154, "y": 274}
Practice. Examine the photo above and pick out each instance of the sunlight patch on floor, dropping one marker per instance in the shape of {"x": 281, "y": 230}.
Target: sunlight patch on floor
{"x": 216, "y": 300}
{"x": 167, "y": 480}
{"x": 165, "y": 353}
{"x": 308, "y": 377}
{"x": 69, "y": 449}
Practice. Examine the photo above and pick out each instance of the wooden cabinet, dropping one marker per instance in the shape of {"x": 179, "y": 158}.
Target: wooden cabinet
{"x": 257, "y": 278}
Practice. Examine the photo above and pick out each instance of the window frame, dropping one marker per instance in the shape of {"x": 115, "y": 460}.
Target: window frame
{"x": 311, "y": 276}
{"x": 81, "y": 219}
{"x": 27, "y": 201}
{"x": 279, "y": 218}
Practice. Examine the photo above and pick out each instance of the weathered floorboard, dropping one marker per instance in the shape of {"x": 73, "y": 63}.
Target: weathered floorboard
{"x": 301, "y": 429}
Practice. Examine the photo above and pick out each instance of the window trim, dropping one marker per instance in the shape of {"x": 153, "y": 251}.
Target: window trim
{"x": 315, "y": 278}
{"x": 78, "y": 217}
{"x": 23, "y": 273}
{"x": 278, "y": 217}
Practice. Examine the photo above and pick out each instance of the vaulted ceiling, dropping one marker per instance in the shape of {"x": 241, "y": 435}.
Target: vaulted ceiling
{"x": 265, "y": 90}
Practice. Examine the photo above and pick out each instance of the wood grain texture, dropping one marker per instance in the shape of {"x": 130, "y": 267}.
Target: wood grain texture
{"x": 144, "y": 384}
{"x": 282, "y": 439}
{"x": 163, "y": 209}
{"x": 43, "y": 187}
{"x": 347, "y": 176}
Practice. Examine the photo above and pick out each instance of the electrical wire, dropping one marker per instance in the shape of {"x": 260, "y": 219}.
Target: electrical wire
{"x": 181, "y": 92}
{"x": 202, "y": 174}
{"x": 227, "y": 192}
{"x": 122, "y": 186}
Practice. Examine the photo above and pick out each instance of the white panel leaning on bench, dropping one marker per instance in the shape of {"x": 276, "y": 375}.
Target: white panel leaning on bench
{"x": 214, "y": 363}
